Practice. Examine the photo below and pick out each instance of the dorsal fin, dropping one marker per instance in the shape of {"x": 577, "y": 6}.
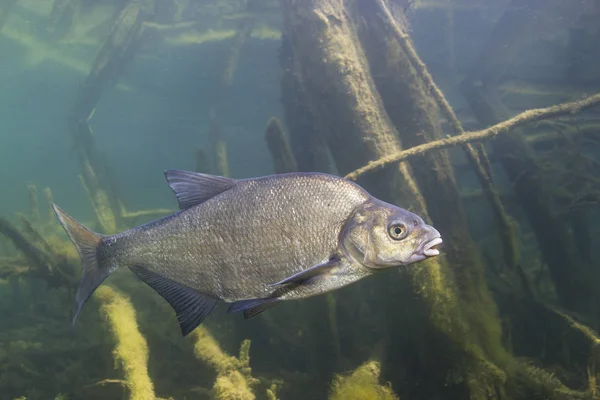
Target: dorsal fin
{"x": 192, "y": 188}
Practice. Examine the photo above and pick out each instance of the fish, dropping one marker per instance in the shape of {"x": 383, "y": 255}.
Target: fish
{"x": 253, "y": 243}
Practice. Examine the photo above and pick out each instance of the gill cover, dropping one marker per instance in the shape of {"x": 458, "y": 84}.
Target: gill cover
{"x": 355, "y": 237}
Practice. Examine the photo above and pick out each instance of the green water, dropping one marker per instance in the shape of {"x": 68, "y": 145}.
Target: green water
{"x": 98, "y": 98}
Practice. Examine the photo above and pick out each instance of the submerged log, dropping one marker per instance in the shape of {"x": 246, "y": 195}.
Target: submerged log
{"x": 215, "y": 134}
{"x": 342, "y": 99}
{"x": 401, "y": 79}
{"x": 61, "y": 18}
{"x": 34, "y": 208}
{"x": 455, "y": 333}
{"x": 569, "y": 268}
{"x": 476, "y": 155}
{"x": 52, "y": 267}
{"x": 109, "y": 64}
{"x": 307, "y": 135}
{"x": 336, "y": 74}
{"x": 49, "y": 199}
{"x": 283, "y": 159}
{"x": 202, "y": 164}
{"x": 570, "y": 273}
{"x": 131, "y": 348}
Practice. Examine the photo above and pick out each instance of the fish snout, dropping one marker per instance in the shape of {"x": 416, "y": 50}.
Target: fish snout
{"x": 428, "y": 247}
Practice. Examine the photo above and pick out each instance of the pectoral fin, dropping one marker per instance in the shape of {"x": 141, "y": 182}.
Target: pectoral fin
{"x": 253, "y": 307}
{"x": 310, "y": 273}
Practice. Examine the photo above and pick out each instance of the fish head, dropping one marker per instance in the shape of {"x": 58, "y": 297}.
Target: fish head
{"x": 380, "y": 235}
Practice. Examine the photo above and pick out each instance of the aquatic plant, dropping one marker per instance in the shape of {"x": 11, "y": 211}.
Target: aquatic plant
{"x": 361, "y": 384}
{"x": 131, "y": 350}
{"x": 234, "y": 380}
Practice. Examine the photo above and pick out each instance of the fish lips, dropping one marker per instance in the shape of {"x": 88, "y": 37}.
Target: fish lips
{"x": 427, "y": 249}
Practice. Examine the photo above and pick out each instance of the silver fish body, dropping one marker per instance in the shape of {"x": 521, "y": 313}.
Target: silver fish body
{"x": 255, "y": 242}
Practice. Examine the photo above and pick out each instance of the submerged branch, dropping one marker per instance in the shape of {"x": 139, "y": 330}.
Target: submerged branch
{"x": 594, "y": 340}
{"x": 488, "y": 133}
{"x": 145, "y": 213}
{"x": 476, "y": 155}
{"x": 104, "y": 382}
{"x": 419, "y": 65}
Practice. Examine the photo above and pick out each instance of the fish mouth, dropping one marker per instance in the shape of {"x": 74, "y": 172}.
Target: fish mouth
{"x": 429, "y": 249}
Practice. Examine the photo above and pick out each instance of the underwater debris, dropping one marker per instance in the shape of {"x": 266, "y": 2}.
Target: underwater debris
{"x": 106, "y": 218}
{"x": 54, "y": 267}
{"x": 325, "y": 42}
{"x": 334, "y": 333}
{"x": 234, "y": 376}
{"x": 340, "y": 91}
{"x": 594, "y": 352}
{"x": 523, "y": 118}
{"x": 283, "y": 158}
{"x": 272, "y": 391}
{"x": 202, "y": 163}
{"x": 556, "y": 243}
{"x": 221, "y": 162}
{"x": 108, "y": 65}
{"x": 130, "y": 217}
{"x": 217, "y": 138}
{"x": 401, "y": 78}
{"x": 61, "y": 18}
{"x": 34, "y": 208}
{"x": 477, "y": 156}
{"x": 322, "y": 41}
{"x": 131, "y": 350}
{"x": 361, "y": 384}
{"x": 243, "y": 32}
{"x": 539, "y": 383}
{"x": 307, "y": 134}
{"x": 49, "y": 198}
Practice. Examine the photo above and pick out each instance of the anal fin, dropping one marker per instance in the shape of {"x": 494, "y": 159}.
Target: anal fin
{"x": 191, "y": 306}
{"x": 253, "y": 307}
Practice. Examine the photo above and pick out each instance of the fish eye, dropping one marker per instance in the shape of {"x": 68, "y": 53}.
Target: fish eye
{"x": 398, "y": 231}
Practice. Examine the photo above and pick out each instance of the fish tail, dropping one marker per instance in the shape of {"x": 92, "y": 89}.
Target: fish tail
{"x": 93, "y": 272}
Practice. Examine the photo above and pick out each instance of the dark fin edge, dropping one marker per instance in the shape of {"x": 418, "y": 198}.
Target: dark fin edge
{"x": 87, "y": 243}
{"x": 192, "y": 188}
{"x": 190, "y": 306}
{"x": 253, "y": 307}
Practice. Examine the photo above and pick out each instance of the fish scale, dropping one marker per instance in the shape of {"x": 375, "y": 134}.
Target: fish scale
{"x": 254, "y": 242}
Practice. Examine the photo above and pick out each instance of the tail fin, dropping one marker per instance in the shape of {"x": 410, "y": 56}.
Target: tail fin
{"x": 93, "y": 272}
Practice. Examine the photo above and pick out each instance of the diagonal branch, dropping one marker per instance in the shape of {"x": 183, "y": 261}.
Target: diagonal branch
{"x": 488, "y": 133}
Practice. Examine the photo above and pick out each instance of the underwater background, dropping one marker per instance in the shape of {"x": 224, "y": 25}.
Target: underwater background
{"x": 99, "y": 97}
